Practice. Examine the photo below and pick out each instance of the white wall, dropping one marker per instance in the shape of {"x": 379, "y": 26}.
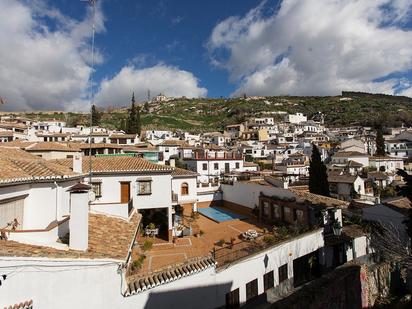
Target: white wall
{"x": 161, "y": 190}
{"x": 176, "y": 188}
{"x": 247, "y": 194}
{"x": 99, "y": 286}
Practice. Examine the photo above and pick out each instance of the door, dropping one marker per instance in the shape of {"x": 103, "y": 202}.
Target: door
{"x": 124, "y": 192}
{"x": 227, "y": 168}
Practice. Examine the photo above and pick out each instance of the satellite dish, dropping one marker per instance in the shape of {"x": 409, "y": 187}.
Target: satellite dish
{"x": 92, "y": 196}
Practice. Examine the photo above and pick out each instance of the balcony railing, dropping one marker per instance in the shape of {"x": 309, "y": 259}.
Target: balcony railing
{"x": 214, "y": 156}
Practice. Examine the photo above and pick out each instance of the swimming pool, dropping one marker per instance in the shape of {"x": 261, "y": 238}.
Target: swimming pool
{"x": 219, "y": 215}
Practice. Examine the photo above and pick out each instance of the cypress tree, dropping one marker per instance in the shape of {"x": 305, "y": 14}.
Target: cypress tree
{"x": 96, "y": 116}
{"x": 318, "y": 178}
{"x": 380, "y": 142}
{"x": 131, "y": 119}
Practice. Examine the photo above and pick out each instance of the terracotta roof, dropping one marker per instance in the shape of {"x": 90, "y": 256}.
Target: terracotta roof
{"x": 51, "y": 146}
{"x": 144, "y": 283}
{"x": 47, "y": 134}
{"x": 352, "y": 163}
{"x": 249, "y": 164}
{"x": 108, "y": 238}
{"x": 17, "y": 166}
{"x": 402, "y": 203}
{"x": 114, "y": 164}
{"x": 6, "y": 133}
{"x": 342, "y": 178}
{"x": 353, "y": 231}
{"x": 96, "y": 145}
{"x": 178, "y": 143}
{"x": 26, "y": 305}
{"x": 133, "y": 136}
{"x": 385, "y": 158}
{"x": 10, "y": 125}
{"x": 319, "y": 199}
{"x": 183, "y": 172}
{"x": 345, "y": 154}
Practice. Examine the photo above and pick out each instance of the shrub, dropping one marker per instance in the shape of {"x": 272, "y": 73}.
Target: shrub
{"x": 201, "y": 232}
{"x": 147, "y": 245}
{"x": 221, "y": 242}
{"x": 137, "y": 264}
{"x": 269, "y": 240}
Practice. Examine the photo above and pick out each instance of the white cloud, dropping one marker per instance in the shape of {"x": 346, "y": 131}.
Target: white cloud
{"x": 315, "y": 47}
{"x": 43, "y": 65}
{"x": 160, "y": 78}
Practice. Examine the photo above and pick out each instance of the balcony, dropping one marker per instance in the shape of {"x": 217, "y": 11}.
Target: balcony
{"x": 214, "y": 156}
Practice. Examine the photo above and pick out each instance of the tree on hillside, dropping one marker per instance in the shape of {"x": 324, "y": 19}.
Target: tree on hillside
{"x": 133, "y": 123}
{"x": 123, "y": 125}
{"x": 318, "y": 178}
{"x": 380, "y": 142}
{"x": 96, "y": 116}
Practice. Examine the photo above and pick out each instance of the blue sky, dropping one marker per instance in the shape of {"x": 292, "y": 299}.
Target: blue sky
{"x": 201, "y": 49}
{"x": 152, "y": 31}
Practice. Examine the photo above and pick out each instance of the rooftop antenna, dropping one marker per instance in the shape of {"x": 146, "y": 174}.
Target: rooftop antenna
{"x": 93, "y": 4}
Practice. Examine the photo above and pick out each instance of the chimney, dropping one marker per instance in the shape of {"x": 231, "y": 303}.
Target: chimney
{"x": 78, "y": 163}
{"x": 79, "y": 217}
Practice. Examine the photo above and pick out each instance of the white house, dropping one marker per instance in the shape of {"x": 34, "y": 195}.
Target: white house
{"x": 386, "y": 164}
{"x": 124, "y": 183}
{"x": 343, "y": 157}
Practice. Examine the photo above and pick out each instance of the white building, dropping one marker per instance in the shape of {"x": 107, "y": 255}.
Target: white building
{"x": 295, "y": 118}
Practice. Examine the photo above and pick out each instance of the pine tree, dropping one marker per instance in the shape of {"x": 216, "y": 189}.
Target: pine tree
{"x": 318, "y": 178}
{"x": 380, "y": 142}
{"x": 96, "y": 116}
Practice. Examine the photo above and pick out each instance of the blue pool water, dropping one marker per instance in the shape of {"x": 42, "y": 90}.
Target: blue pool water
{"x": 218, "y": 214}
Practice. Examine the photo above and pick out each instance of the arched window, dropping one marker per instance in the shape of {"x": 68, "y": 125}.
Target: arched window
{"x": 185, "y": 189}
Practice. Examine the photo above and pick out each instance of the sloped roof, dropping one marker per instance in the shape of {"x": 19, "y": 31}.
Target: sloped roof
{"x": 148, "y": 282}
{"x": 173, "y": 142}
{"x": 51, "y": 146}
{"x": 319, "y": 199}
{"x": 108, "y": 238}
{"x": 113, "y": 164}
{"x": 342, "y": 178}
{"x": 344, "y": 154}
{"x": 183, "y": 172}
{"x": 17, "y": 166}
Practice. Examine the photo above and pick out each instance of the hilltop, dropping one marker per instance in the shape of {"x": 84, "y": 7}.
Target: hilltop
{"x": 350, "y": 108}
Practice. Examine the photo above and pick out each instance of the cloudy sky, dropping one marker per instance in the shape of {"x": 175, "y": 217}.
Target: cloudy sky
{"x": 200, "y": 49}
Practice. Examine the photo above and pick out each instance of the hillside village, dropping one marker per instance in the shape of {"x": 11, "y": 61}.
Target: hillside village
{"x": 175, "y": 212}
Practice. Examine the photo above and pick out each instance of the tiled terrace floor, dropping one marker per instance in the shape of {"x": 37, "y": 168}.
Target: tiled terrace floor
{"x": 164, "y": 254}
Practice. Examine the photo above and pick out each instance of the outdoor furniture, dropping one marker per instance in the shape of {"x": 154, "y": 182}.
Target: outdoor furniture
{"x": 250, "y": 235}
{"x": 152, "y": 232}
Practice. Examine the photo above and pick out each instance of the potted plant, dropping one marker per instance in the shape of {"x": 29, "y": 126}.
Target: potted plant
{"x": 232, "y": 242}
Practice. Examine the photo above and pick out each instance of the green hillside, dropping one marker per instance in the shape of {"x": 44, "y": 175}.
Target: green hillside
{"x": 201, "y": 115}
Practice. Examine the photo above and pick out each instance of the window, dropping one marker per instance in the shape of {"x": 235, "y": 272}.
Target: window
{"x": 283, "y": 273}
{"x": 144, "y": 187}
{"x": 11, "y": 209}
{"x": 232, "y": 299}
{"x": 268, "y": 281}
{"x": 184, "y": 189}
{"x": 277, "y": 211}
{"x": 216, "y": 166}
{"x": 97, "y": 188}
{"x": 237, "y": 165}
{"x": 204, "y": 166}
{"x": 266, "y": 209}
{"x": 166, "y": 149}
{"x": 251, "y": 290}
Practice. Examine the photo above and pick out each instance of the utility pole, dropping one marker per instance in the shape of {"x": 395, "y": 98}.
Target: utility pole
{"x": 93, "y": 4}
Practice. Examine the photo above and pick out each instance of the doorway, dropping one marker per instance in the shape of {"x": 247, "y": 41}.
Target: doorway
{"x": 124, "y": 192}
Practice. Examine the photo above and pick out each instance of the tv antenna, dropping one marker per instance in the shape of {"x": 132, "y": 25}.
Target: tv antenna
{"x": 93, "y": 5}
